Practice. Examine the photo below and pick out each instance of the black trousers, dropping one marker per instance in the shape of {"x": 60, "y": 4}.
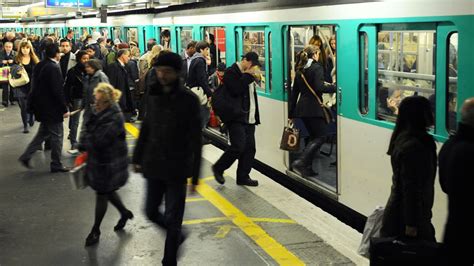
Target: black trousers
{"x": 172, "y": 219}
{"x": 25, "y": 116}
{"x": 242, "y": 148}
{"x": 55, "y": 133}
{"x": 7, "y": 94}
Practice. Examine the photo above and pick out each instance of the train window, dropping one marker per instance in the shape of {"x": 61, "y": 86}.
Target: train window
{"x": 116, "y": 33}
{"x": 186, "y": 35}
{"x": 104, "y": 32}
{"x": 364, "y": 67}
{"x": 132, "y": 35}
{"x": 269, "y": 62}
{"x": 254, "y": 41}
{"x": 452, "y": 93}
{"x": 165, "y": 38}
{"x": 215, "y": 36}
{"x": 405, "y": 68}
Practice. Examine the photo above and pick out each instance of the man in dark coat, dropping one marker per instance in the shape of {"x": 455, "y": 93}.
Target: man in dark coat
{"x": 48, "y": 103}
{"x": 457, "y": 180}
{"x": 7, "y": 58}
{"x": 118, "y": 77}
{"x": 168, "y": 150}
{"x": 239, "y": 80}
{"x": 68, "y": 58}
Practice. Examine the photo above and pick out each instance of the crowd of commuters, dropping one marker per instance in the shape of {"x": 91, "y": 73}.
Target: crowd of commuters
{"x": 110, "y": 84}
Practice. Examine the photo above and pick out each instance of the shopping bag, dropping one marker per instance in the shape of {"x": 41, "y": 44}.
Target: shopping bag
{"x": 371, "y": 229}
{"x": 290, "y": 140}
{"x": 391, "y": 251}
{"x": 78, "y": 173}
{"x": 4, "y": 71}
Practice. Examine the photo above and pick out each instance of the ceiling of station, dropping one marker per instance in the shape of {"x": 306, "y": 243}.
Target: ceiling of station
{"x": 16, "y": 3}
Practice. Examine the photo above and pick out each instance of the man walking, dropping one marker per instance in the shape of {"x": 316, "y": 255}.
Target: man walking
{"x": 457, "y": 180}
{"x": 118, "y": 77}
{"x": 7, "y": 58}
{"x": 168, "y": 150}
{"x": 48, "y": 103}
{"x": 239, "y": 80}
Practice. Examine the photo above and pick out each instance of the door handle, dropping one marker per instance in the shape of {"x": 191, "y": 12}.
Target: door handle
{"x": 339, "y": 95}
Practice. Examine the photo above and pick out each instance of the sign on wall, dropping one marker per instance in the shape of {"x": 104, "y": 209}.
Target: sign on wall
{"x": 69, "y": 3}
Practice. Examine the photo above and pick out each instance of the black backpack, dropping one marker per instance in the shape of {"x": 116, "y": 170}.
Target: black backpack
{"x": 225, "y": 105}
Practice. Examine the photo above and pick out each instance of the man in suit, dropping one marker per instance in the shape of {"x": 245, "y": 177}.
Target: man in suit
{"x": 7, "y": 58}
{"x": 48, "y": 103}
{"x": 457, "y": 180}
{"x": 118, "y": 77}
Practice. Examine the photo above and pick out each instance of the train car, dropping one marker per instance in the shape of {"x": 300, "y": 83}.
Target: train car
{"x": 385, "y": 51}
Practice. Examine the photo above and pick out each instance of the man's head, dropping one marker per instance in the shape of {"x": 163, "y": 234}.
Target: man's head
{"x": 82, "y": 57}
{"x": 221, "y": 68}
{"x": 150, "y": 44}
{"x": 90, "y": 51}
{"x": 123, "y": 55}
{"x": 166, "y": 35}
{"x": 10, "y": 35}
{"x": 8, "y": 46}
{"x": 52, "y": 50}
{"x": 102, "y": 41}
{"x": 70, "y": 34}
{"x": 203, "y": 48}
{"x": 65, "y": 46}
{"x": 467, "y": 112}
{"x": 191, "y": 48}
{"x": 168, "y": 68}
{"x": 249, "y": 60}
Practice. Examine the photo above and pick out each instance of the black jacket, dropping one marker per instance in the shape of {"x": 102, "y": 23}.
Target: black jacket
{"x": 47, "y": 100}
{"x": 118, "y": 77}
{"x": 411, "y": 199}
{"x": 4, "y": 56}
{"x": 105, "y": 143}
{"x": 169, "y": 146}
{"x": 73, "y": 85}
{"x": 237, "y": 83}
{"x": 456, "y": 159}
{"x": 308, "y": 105}
{"x": 132, "y": 70}
{"x": 197, "y": 75}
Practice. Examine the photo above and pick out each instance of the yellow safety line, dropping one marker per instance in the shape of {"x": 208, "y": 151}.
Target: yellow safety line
{"x": 195, "y": 199}
{"x": 274, "y": 249}
{"x": 273, "y": 220}
{"x": 206, "y": 220}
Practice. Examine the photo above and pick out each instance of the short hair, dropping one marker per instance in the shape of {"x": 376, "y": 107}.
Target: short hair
{"x": 64, "y": 40}
{"x": 467, "y": 112}
{"x": 70, "y": 31}
{"x": 94, "y": 64}
{"x": 80, "y": 54}
{"x": 51, "y": 49}
{"x": 191, "y": 44}
{"x": 201, "y": 46}
{"x": 122, "y": 52}
{"x": 165, "y": 33}
{"x": 150, "y": 45}
{"x": 212, "y": 38}
{"x": 7, "y": 43}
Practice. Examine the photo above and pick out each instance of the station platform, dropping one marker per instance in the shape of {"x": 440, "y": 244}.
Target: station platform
{"x": 43, "y": 221}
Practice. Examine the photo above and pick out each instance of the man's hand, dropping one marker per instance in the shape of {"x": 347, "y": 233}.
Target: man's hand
{"x": 66, "y": 115}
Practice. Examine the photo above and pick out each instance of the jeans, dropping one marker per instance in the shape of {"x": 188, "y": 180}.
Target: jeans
{"x": 55, "y": 133}
{"x": 172, "y": 219}
{"x": 242, "y": 147}
{"x": 25, "y": 116}
{"x": 74, "y": 122}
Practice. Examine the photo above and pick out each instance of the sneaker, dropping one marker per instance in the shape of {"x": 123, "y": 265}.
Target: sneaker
{"x": 73, "y": 151}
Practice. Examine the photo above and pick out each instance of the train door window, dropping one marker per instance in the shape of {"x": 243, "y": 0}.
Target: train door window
{"x": 85, "y": 32}
{"x": 215, "y": 36}
{"x": 269, "y": 62}
{"x": 104, "y": 32}
{"x": 116, "y": 33}
{"x": 185, "y": 37}
{"x": 165, "y": 38}
{"x": 405, "y": 68}
{"x": 364, "y": 73}
{"x": 316, "y": 160}
{"x": 254, "y": 41}
{"x": 452, "y": 92}
{"x": 132, "y": 35}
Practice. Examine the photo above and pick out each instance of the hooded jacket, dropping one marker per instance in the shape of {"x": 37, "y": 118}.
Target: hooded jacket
{"x": 197, "y": 73}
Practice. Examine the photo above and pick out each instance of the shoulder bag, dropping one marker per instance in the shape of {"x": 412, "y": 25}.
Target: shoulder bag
{"x": 290, "y": 140}
{"x": 326, "y": 111}
{"x": 22, "y": 80}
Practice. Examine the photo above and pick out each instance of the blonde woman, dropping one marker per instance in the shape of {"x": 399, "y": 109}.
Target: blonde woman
{"x": 155, "y": 52}
{"x": 107, "y": 162}
{"x": 26, "y": 59}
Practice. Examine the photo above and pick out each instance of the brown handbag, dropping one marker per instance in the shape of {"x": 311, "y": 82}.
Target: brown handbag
{"x": 290, "y": 140}
{"x": 326, "y": 111}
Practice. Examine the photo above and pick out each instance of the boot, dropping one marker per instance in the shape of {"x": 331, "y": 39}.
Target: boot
{"x": 304, "y": 165}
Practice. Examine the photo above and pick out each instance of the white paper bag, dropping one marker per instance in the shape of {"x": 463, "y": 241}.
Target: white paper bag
{"x": 371, "y": 229}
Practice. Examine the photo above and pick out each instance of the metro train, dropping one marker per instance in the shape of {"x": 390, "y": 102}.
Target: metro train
{"x": 384, "y": 50}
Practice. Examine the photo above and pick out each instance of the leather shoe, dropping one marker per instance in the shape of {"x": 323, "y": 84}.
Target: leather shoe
{"x": 92, "y": 238}
{"x": 218, "y": 176}
{"x": 247, "y": 182}
{"x": 60, "y": 170}
{"x": 25, "y": 163}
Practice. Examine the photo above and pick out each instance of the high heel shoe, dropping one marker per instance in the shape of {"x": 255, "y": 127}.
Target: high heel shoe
{"x": 93, "y": 238}
{"x": 128, "y": 215}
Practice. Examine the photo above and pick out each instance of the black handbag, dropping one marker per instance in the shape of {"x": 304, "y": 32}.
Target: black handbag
{"x": 390, "y": 251}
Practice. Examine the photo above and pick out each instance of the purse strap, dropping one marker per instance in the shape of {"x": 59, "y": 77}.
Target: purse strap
{"x": 311, "y": 89}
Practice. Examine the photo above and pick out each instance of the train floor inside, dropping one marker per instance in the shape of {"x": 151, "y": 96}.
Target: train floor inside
{"x": 43, "y": 221}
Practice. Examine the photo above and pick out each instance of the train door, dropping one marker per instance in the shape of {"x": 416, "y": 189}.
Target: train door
{"x": 185, "y": 37}
{"x": 104, "y": 31}
{"x": 132, "y": 35}
{"x": 315, "y": 163}
{"x": 216, "y": 37}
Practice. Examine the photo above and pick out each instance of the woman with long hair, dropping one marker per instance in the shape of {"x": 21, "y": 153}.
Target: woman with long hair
{"x": 107, "y": 157}
{"x": 413, "y": 157}
{"x": 26, "y": 59}
{"x": 307, "y": 106}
